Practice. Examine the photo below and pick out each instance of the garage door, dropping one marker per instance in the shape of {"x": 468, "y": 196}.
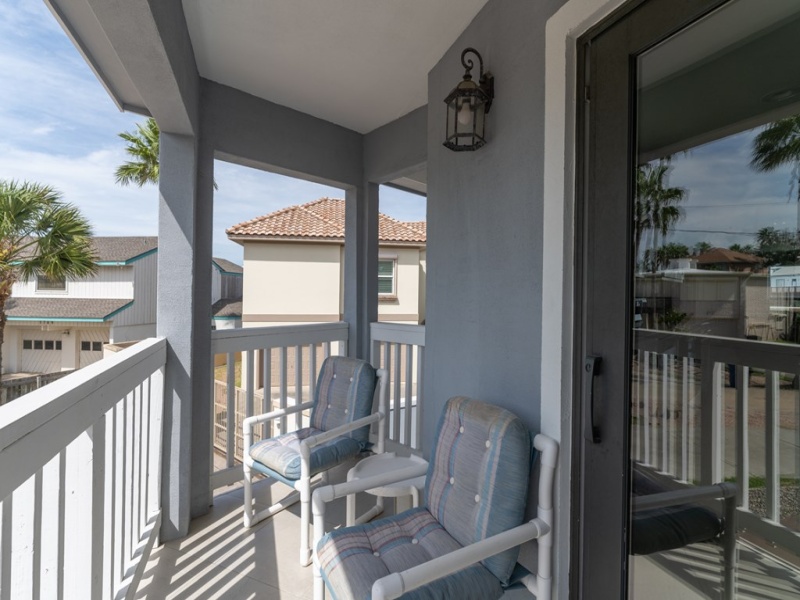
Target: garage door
{"x": 41, "y": 351}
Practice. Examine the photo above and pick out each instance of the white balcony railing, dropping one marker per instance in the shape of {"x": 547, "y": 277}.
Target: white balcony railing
{"x": 707, "y": 409}
{"x": 277, "y": 367}
{"x": 80, "y": 487}
{"x": 400, "y": 349}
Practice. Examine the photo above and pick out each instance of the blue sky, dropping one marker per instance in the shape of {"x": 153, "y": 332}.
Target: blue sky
{"x": 58, "y": 126}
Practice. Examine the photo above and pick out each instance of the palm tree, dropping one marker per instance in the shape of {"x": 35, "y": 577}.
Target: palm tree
{"x": 143, "y": 148}
{"x": 777, "y": 145}
{"x": 39, "y": 236}
{"x": 655, "y": 206}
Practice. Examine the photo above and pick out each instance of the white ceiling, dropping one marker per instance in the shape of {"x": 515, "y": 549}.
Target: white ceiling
{"x": 356, "y": 63}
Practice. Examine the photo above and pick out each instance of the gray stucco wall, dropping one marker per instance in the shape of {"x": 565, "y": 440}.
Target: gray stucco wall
{"x": 485, "y": 224}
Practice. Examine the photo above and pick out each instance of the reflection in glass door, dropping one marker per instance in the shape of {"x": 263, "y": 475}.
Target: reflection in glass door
{"x": 715, "y": 309}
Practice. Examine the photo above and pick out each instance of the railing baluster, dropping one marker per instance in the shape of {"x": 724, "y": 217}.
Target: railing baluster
{"x": 694, "y": 459}
{"x": 312, "y": 371}
{"x": 250, "y": 357}
{"x": 665, "y": 382}
{"x": 230, "y": 409}
{"x": 646, "y": 408}
{"x": 36, "y": 550}
{"x": 266, "y": 401}
{"x": 134, "y": 442}
{"x": 408, "y": 400}
{"x": 98, "y": 505}
{"x": 6, "y": 540}
{"x": 298, "y": 384}
{"x": 396, "y": 397}
{"x": 61, "y": 522}
{"x": 685, "y": 433}
{"x": 742, "y": 437}
{"x": 420, "y": 398}
{"x": 771, "y": 443}
{"x": 284, "y": 386}
{"x": 387, "y": 366}
{"x": 636, "y": 409}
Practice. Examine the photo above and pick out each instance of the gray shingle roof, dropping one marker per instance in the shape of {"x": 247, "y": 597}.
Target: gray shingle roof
{"x": 122, "y": 248}
{"x": 227, "y": 266}
{"x": 64, "y": 308}
{"x": 227, "y": 307}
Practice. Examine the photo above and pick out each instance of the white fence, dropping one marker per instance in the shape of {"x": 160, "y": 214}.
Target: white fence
{"x": 707, "y": 409}
{"x": 400, "y": 349}
{"x": 80, "y": 486}
{"x": 281, "y": 359}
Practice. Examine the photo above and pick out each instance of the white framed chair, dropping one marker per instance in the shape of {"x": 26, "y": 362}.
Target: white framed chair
{"x": 464, "y": 542}
{"x": 341, "y": 416}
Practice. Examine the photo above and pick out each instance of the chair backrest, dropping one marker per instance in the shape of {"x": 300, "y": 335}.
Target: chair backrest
{"x": 478, "y": 475}
{"x": 344, "y": 393}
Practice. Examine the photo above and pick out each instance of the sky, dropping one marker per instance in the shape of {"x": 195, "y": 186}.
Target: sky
{"x": 58, "y": 126}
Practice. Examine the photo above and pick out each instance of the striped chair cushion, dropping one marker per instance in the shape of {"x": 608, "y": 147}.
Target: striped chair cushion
{"x": 282, "y": 454}
{"x": 477, "y": 482}
{"x": 353, "y": 559}
{"x": 344, "y": 393}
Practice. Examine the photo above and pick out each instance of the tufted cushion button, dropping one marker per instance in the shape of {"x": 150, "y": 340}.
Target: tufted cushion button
{"x": 477, "y": 498}
{"x": 415, "y": 541}
{"x": 461, "y": 430}
{"x": 329, "y": 405}
{"x": 351, "y": 380}
{"x": 334, "y": 375}
{"x": 452, "y": 481}
{"x": 376, "y": 553}
{"x": 488, "y": 444}
{"x": 345, "y": 411}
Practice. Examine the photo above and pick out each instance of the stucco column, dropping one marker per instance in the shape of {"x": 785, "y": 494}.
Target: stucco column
{"x": 361, "y": 265}
{"x": 184, "y": 316}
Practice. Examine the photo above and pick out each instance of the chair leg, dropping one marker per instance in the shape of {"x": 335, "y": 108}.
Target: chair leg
{"x": 248, "y": 497}
{"x": 305, "y": 522}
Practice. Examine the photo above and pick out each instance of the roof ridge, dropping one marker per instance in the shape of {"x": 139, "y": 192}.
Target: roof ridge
{"x": 306, "y": 208}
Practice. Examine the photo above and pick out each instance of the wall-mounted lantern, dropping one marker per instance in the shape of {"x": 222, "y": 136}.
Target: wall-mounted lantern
{"x": 467, "y": 107}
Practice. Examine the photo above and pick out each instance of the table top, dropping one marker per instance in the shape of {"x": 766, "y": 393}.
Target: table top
{"x": 389, "y": 461}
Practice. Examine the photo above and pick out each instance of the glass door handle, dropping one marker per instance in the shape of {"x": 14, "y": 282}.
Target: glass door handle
{"x": 591, "y": 368}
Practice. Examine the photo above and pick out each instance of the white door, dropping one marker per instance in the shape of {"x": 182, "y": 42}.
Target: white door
{"x": 41, "y": 351}
{"x": 91, "y": 345}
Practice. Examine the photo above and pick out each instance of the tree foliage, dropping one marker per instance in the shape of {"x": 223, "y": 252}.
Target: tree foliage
{"x": 777, "y": 246}
{"x": 655, "y": 207}
{"x": 143, "y": 148}
{"x": 39, "y": 235}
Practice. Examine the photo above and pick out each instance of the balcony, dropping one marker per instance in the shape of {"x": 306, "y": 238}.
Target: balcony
{"x": 82, "y": 465}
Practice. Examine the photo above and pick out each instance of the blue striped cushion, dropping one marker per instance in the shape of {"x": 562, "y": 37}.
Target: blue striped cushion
{"x": 353, "y": 559}
{"x": 477, "y": 482}
{"x": 344, "y": 393}
{"x": 282, "y": 454}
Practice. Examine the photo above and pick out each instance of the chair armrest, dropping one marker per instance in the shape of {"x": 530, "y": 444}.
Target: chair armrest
{"x": 395, "y": 585}
{"x": 683, "y": 496}
{"x": 328, "y": 493}
{"x": 321, "y": 438}
{"x": 280, "y": 412}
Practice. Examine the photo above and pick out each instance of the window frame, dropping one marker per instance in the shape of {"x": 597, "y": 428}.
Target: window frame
{"x": 50, "y": 287}
{"x": 392, "y": 278}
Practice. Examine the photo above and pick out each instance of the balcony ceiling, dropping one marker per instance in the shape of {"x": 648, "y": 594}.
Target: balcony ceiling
{"x": 357, "y": 64}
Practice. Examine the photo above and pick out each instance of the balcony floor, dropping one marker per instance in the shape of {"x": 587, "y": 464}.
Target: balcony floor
{"x": 221, "y": 559}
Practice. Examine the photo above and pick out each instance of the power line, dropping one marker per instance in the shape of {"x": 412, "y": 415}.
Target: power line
{"x": 715, "y": 231}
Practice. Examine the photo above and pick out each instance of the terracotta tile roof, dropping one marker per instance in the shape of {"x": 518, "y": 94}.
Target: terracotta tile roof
{"x": 724, "y": 255}
{"x": 322, "y": 219}
{"x": 94, "y": 309}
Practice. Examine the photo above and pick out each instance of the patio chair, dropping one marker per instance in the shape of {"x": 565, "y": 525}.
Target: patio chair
{"x": 341, "y": 415}
{"x": 666, "y": 518}
{"x": 464, "y": 542}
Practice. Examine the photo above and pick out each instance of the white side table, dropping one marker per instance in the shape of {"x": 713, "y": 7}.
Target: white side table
{"x": 402, "y": 490}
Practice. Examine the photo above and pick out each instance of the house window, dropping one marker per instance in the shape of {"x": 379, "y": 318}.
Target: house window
{"x": 97, "y": 346}
{"x": 86, "y": 346}
{"x": 38, "y": 344}
{"x": 386, "y": 277}
{"x": 49, "y": 345}
{"x": 46, "y": 284}
{"x": 58, "y": 344}
{"x": 91, "y": 346}
{"x": 27, "y": 344}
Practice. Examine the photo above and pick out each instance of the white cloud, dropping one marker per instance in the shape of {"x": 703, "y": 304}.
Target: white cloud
{"x": 43, "y": 130}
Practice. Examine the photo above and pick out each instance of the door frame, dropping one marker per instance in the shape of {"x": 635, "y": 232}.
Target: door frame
{"x": 600, "y": 486}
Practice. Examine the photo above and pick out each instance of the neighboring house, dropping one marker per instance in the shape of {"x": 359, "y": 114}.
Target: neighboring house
{"x": 294, "y": 266}
{"x": 724, "y": 259}
{"x": 226, "y": 294}
{"x": 786, "y": 276}
{"x": 59, "y": 325}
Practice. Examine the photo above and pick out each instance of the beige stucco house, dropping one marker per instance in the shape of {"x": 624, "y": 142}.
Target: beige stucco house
{"x": 294, "y": 266}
